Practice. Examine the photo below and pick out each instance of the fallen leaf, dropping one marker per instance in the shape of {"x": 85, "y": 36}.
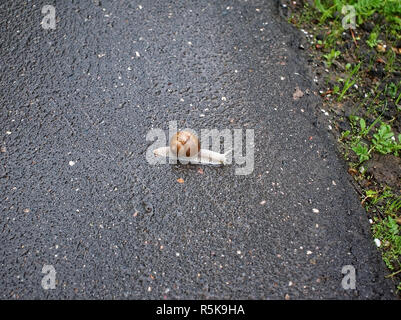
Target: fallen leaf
{"x": 352, "y": 171}
{"x": 381, "y": 48}
{"x": 200, "y": 171}
{"x": 397, "y": 50}
{"x": 180, "y": 180}
{"x": 327, "y": 92}
{"x": 297, "y": 94}
{"x": 319, "y": 46}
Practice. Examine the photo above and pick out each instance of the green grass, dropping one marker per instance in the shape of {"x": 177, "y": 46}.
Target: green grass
{"x": 393, "y": 207}
{"x": 349, "y": 82}
{"x": 398, "y": 100}
{"x": 390, "y": 58}
{"x": 387, "y": 229}
{"x": 375, "y": 199}
{"x": 364, "y": 9}
{"x": 388, "y": 232}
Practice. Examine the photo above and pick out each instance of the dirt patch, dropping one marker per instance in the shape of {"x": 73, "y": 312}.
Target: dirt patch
{"x": 386, "y": 170}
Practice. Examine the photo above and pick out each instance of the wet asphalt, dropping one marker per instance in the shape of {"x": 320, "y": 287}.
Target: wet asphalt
{"x": 78, "y": 193}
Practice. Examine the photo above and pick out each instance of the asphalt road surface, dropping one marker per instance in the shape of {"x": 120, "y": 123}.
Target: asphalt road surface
{"x": 79, "y": 196}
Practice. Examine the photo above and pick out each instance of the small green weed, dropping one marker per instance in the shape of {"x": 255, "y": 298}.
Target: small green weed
{"x": 384, "y": 141}
{"x": 362, "y": 151}
{"x": 372, "y": 41}
{"x": 330, "y": 57}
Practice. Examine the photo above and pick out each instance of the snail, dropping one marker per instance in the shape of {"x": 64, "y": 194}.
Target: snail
{"x": 185, "y": 146}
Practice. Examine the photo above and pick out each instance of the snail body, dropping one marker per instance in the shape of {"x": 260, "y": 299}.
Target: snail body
{"x": 185, "y": 147}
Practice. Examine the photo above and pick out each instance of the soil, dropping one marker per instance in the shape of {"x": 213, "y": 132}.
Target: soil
{"x": 386, "y": 170}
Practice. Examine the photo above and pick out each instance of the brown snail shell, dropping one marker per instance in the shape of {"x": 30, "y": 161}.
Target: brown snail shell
{"x": 184, "y": 144}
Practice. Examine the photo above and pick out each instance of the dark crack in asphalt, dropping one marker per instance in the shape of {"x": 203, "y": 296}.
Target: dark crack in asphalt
{"x": 77, "y": 192}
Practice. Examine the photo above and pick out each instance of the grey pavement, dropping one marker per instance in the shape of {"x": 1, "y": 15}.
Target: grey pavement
{"x": 78, "y": 194}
